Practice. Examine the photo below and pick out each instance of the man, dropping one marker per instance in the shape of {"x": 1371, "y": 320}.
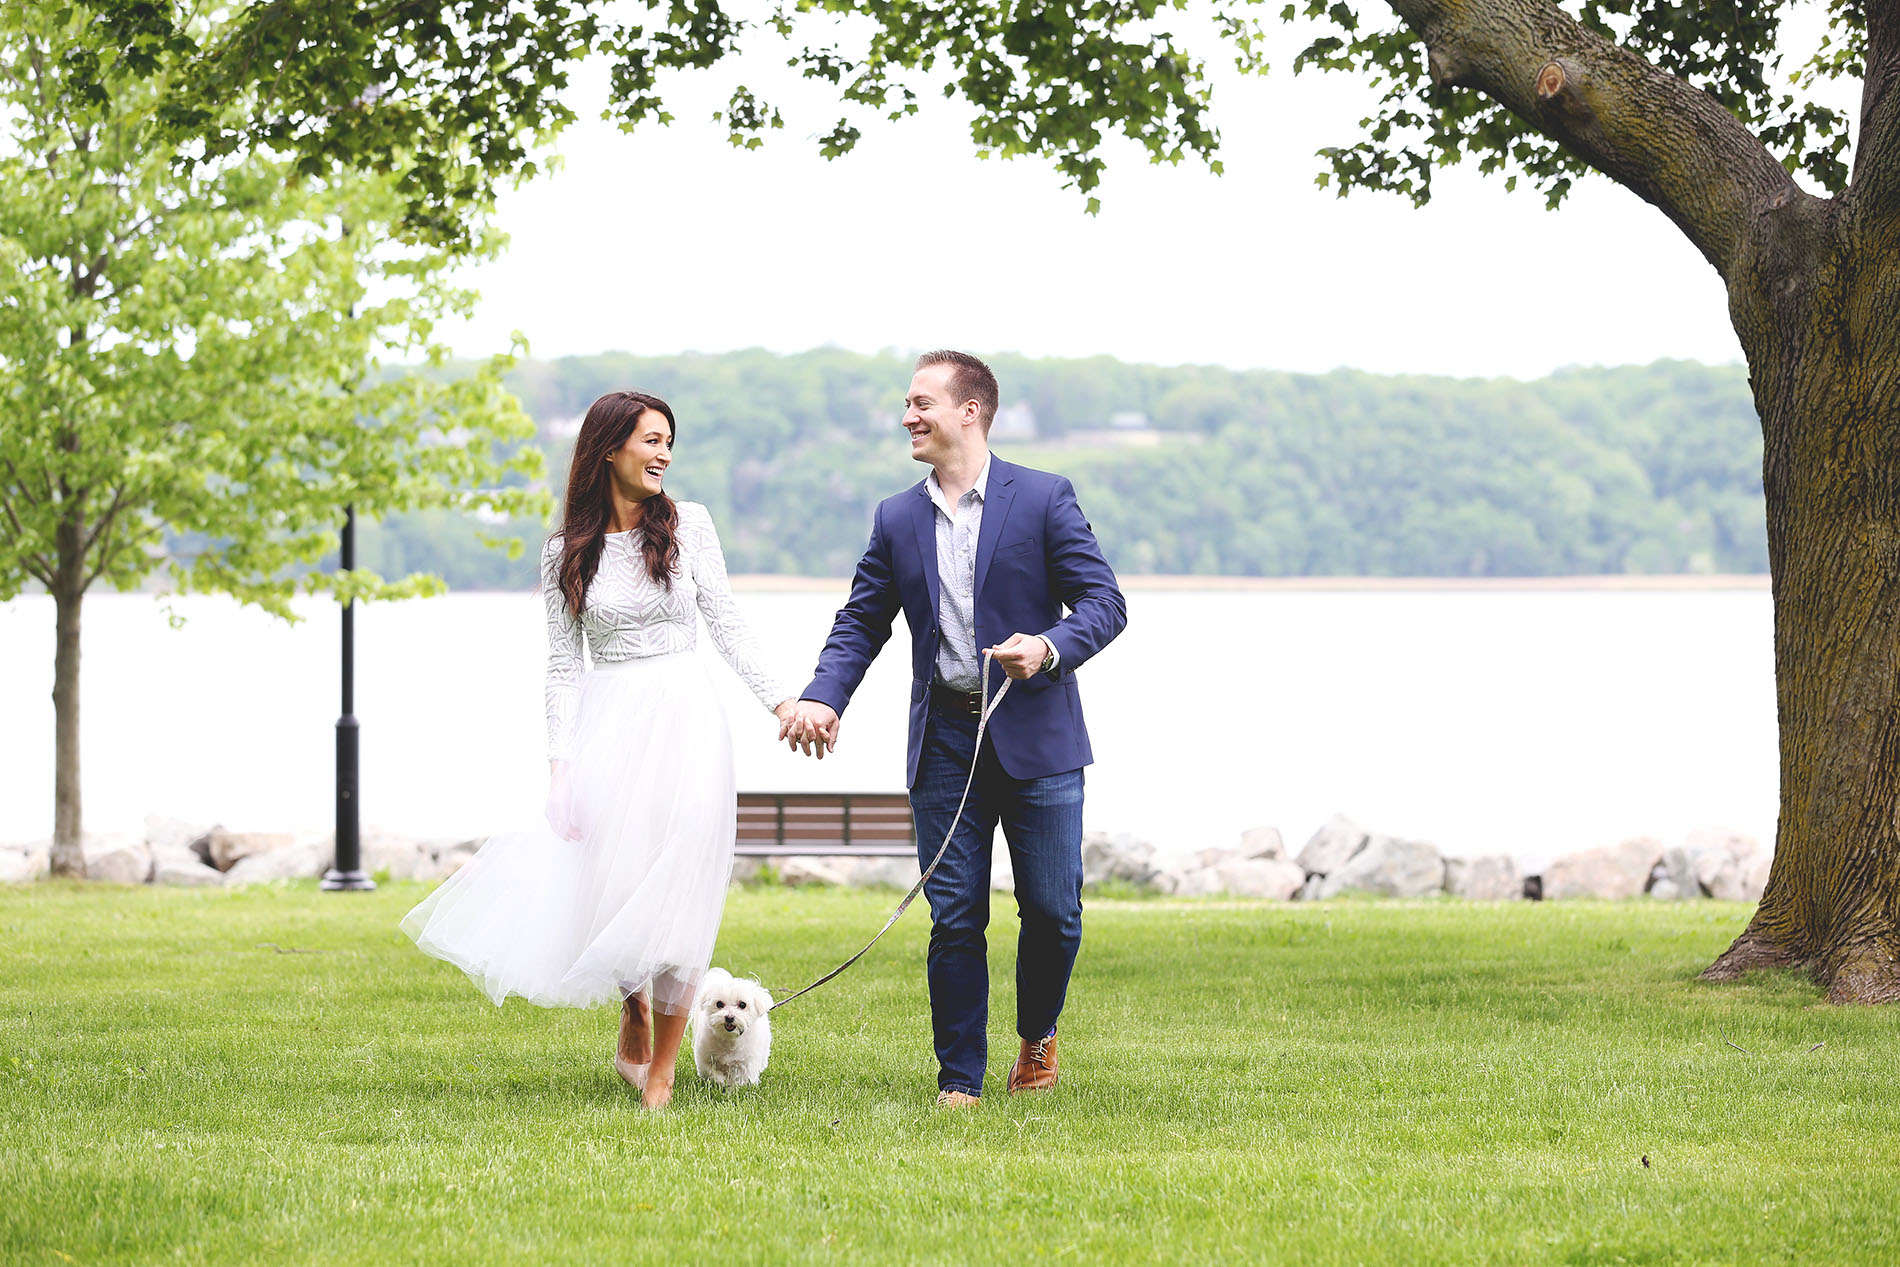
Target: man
{"x": 980, "y": 549}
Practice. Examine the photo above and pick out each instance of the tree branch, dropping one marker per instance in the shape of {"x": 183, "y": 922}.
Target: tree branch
{"x": 1876, "y": 179}
{"x": 104, "y": 525}
{"x": 1666, "y": 141}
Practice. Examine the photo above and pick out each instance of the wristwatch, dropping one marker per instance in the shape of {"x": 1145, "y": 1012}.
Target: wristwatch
{"x": 1048, "y": 661}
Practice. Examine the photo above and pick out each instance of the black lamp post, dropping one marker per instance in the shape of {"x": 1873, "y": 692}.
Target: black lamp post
{"x": 346, "y": 873}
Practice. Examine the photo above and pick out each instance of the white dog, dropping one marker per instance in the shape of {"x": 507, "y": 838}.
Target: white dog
{"x": 732, "y": 1039}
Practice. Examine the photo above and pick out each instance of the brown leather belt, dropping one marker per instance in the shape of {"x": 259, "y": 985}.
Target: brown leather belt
{"x": 968, "y": 703}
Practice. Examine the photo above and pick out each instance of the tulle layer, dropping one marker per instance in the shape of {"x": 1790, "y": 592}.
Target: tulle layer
{"x": 634, "y": 903}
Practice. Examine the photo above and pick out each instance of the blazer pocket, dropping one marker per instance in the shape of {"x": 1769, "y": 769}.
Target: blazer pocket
{"x": 1016, "y": 547}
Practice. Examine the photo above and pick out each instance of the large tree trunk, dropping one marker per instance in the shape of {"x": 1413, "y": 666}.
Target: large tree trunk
{"x": 69, "y": 590}
{"x": 1819, "y": 316}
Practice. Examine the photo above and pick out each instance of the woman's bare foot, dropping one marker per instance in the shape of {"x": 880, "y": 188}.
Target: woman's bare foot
{"x": 659, "y": 1090}
{"x": 633, "y": 1056}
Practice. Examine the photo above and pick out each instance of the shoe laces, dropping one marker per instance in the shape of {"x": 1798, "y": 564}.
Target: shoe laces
{"x": 1039, "y": 1051}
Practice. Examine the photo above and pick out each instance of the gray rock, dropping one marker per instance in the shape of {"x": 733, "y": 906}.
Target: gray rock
{"x": 875, "y": 873}
{"x": 402, "y": 858}
{"x": 228, "y": 848}
{"x": 23, "y": 864}
{"x": 308, "y": 857}
{"x": 1309, "y": 892}
{"x": 1491, "y": 877}
{"x": 1119, "y": 856}
{"x": 1665, "y": 890}
{"x": 115, "y": 859}
{"x": 1722, "y": 862}
{"x": 1755, "y": 883}
{"x": 1262, "y": 842}
{"x": 1197, "y": 882}
{"x": 1610, "y": 871}
{"x": 1274, "y": 878}
{"x": 1003, "y": 874}
{"x": 453, "y": 856}
{"x": 1213, "y": 857}
{"x": 180, "y": 865}
{"x": 1390, "y": 867}
{"x": 173, "y": 834}
{"x": 1332, "y": 846}
{"x": 800, "y": 870}
{"x": 744, "y": 869}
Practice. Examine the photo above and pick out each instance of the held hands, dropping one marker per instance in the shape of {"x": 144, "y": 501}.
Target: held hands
{"x": 560, "y": 806}
{"x": 808, "y": 726}
{"x": 1021, "y": 655}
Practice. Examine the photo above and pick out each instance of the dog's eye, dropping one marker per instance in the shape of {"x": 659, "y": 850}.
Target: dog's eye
{"x": 719, "y": 1003}
{"x": 741, "y": 1007}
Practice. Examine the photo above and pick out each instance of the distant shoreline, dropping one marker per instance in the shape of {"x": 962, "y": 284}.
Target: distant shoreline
{"x": 767, "y": 583}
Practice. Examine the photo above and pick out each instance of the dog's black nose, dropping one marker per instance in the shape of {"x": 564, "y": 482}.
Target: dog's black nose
{"x": 731, "y": 1024}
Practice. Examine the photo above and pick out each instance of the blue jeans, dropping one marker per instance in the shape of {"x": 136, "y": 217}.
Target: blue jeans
{"x": 1042, "y": 821}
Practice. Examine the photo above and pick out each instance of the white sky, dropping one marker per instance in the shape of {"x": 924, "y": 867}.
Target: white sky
{"x": 669, "y": 240}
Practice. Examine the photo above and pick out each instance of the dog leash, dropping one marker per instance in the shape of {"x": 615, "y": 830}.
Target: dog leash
{"x": 982, "y": 723}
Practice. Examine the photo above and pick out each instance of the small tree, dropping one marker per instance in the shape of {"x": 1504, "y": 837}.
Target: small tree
{"x": 1685, "y": 105}
{"x": 188, "y": 374}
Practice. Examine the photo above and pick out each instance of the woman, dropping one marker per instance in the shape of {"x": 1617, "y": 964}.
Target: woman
{"x": 619, "y": 897}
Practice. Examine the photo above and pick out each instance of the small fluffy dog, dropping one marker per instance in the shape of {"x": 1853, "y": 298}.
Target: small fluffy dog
{"x": 732, "y": 1039}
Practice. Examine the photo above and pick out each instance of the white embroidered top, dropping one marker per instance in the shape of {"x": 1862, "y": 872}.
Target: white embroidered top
{"x": 628, "y": 615}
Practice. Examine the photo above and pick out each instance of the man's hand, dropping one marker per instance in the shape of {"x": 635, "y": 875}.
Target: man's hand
{"x": 1022, "y": 655}
{"x": 811, "y": 727}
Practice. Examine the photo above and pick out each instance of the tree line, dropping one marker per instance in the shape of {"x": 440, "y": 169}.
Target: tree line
{"x": 1191, "y": 470}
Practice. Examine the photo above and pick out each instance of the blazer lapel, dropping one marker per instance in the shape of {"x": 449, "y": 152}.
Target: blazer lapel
{"x": 924, "y": 517}
{"x": 996, "y": 503}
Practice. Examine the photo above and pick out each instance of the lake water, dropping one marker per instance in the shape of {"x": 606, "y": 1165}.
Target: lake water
{"x": 1529, "y": 722}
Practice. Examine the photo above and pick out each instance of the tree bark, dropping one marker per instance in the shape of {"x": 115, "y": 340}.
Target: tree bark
{"x": 1814, "y": 293}
{"x": 69, "y": 591}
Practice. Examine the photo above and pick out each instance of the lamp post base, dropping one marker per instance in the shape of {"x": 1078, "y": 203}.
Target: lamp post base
{"x": 346, "y": 881}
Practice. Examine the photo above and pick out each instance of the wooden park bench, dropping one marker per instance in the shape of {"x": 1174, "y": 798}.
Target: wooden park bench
{"x": 872, "y": 824}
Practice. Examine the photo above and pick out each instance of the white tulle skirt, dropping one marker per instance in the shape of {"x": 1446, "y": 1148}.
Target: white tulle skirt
{"x": 635, "y": 902}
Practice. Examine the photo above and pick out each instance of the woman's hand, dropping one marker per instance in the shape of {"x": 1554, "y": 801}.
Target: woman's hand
{"x": 560, "y": 806}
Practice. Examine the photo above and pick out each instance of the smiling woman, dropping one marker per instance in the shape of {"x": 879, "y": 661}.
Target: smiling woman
{"x": 617, "y": 897}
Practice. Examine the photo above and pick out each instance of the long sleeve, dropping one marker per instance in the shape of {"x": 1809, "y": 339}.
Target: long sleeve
{"x": 699, "y": 542}
{"x": 565, "y": 655}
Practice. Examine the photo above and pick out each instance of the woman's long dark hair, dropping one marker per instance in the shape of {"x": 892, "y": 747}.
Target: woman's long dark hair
{"x": 609, "y": 422}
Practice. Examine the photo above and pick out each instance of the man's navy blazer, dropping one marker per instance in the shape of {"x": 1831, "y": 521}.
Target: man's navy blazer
{"x": 1035, "y": 555}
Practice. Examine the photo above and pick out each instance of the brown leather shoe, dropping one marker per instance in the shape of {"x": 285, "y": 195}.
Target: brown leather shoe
{"x": 1035, "y": 1069}
{"x": 956, "y": 1100}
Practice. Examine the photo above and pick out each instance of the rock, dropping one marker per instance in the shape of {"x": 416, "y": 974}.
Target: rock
{"x": 1755, "y": 883}
{"x": 800, "y": 870}
{"x": 1533, "y": 888}
{"x": 309, "y": 857}
{"x": 745, "y": 869}
{"x": 23, "y": 864}
{"x": 1309, "y": 892}
{"x": 1389, "y": 867}
{"x": 1213, "y": 857}
{"x": 1610, "y": 871}
{"x": 228, "y": 848}
{"x": 1003, "y": 873}
{"x": 1115, "y": 857}
{"x": 451, "y": 857}
{"x": 1717, "y": 862}
{"x": 117, "y": 859}
{"x": 173, "y": 834}
{"x": 1665, "y": 890}
{"x": 1262, "y": 842}
{"x": 1490, "y": 877}
{"x": 1274, "y": 878}
{"x": 180, "y": 865}
{"x": 1332, "y": 846}
{"x": 1197, "y": 882}
{"x": 878, "y": 873}
{"x": 400, "y": 857}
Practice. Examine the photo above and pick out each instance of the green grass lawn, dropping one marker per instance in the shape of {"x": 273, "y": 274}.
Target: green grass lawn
{"x": 277, "y": 1076}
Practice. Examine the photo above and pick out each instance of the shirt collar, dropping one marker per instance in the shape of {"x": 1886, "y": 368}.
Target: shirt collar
{"x": 981, "y": 487}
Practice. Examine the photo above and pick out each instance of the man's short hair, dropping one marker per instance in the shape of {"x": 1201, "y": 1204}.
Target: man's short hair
{"x": 970, "y": 379}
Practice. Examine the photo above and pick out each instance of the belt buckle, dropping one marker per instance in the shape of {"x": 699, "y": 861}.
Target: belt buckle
{"x": 972, "y": 702}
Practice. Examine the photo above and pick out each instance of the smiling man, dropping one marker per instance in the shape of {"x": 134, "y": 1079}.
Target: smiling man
{"x": 981, "y": 553}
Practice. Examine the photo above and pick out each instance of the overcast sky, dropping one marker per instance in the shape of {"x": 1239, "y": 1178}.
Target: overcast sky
{"x": 669, "y": 240}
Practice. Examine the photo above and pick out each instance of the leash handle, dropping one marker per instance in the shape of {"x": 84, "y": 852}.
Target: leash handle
{"x": 982, "y": 724}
